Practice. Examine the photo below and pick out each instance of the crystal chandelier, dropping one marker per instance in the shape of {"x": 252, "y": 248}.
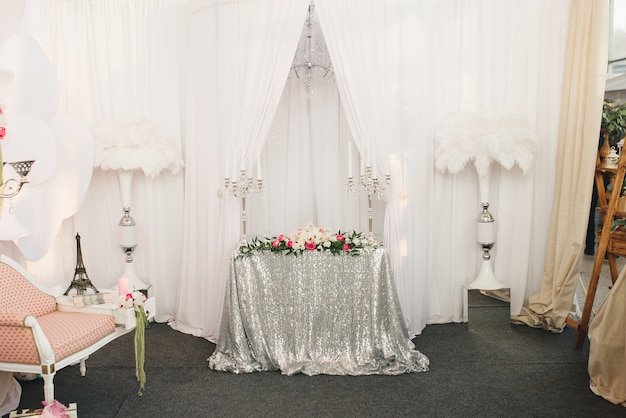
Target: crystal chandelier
{"x": 311, "y": 53}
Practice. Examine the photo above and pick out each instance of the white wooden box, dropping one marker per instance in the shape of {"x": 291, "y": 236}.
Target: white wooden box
{"x": 123, "y": 317}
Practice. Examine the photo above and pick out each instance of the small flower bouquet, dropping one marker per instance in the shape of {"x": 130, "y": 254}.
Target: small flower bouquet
{"x": 55, "y": 409}
{"x": 311, "y": 238}
{"x": 3, "y": 124}
{"x": 136, "y": 301}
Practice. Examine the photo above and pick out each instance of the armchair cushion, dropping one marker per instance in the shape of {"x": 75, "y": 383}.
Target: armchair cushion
{"x": 18, "y": 344}
{"x": 19, "y": 295}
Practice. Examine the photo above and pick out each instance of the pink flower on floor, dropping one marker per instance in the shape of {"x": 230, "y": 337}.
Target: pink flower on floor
{"x": 310, "y": 246}
{"x": 346, "y": 247}
{"x": 275, "y": 243}
{"x": 290, "y": 244}
{"x": 340, "y": 237}
{"x": 281, "y": 237}
{"x": 54, "y": 409}
{"x": 3, "y": 132}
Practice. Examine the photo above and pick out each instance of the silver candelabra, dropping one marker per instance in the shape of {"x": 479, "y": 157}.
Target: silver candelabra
{"x": 240, "y": 188}
{"x": 369, "y": 183}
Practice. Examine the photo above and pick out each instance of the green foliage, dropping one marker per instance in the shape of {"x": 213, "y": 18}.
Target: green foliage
{"x": 613, "y": 121}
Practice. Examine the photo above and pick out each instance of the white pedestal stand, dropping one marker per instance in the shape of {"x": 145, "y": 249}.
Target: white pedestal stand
{"x": 486, "y": 233}
{"x": 128, "y": 242}
{"x": 486, "y": 238}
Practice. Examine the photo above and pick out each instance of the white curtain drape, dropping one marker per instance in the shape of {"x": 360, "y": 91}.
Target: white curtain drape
{"x": 359, "y": 37}
{"x": 401, "y": 68}
{"x": 305, "y": 166}
{"x": 212, "y": 75}
{"x": 238, "y": 59}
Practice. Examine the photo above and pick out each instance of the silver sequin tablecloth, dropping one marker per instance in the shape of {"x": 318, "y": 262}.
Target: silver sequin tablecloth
{"x": 316, "y": 313}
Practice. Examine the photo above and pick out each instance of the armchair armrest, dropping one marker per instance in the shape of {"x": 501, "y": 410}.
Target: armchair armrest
{"x": 14, "y": 319}
{"x": 25, "y": 324}
{"x": 46, "y": 354}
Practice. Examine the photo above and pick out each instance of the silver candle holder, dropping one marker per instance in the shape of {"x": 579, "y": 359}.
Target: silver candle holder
{"x": 12, "y": 186}
{"x": 370, "y": 184}
{"x": 241, "y": 187}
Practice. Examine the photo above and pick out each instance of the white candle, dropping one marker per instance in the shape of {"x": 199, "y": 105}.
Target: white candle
{"x": 122, "y": 285}
{"x": 362, "y": 164}
{"x": 226, "y": 163}
{"x": 349, "y": 159}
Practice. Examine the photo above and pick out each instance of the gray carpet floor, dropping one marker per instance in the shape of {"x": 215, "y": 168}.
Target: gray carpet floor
{"x": 485, "y": 368}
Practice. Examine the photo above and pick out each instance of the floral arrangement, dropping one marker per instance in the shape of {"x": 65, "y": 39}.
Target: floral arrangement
{"x": 136, "y": 300}
{"x": 311, "y": 238}
{"x": 3, "y": 123}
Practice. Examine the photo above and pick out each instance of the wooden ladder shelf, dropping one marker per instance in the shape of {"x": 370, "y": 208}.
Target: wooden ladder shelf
{"x": 607, "y": 207}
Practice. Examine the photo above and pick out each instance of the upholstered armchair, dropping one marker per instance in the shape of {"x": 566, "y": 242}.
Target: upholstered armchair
{"x": 35, "y": 337}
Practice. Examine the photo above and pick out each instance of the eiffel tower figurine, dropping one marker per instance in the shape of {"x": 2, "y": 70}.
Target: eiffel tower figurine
{"x": 81, "y": 280}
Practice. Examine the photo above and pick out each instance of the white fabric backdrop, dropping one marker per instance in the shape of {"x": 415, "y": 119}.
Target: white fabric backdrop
{"x": 106, "y": 53}
{"x": 434, "y": 59}
{"x": 437, "y": 60}
{"x": 304, "y": 166}
{"x": 231, "y": 96}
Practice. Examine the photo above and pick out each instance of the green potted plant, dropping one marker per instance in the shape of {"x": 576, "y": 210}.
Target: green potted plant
{"x": 613, "y": 125}
{"x": 612, "y": 132}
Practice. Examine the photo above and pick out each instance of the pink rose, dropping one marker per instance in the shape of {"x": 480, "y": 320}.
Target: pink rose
{"x": 346, "y": 247}
{"x": 281, "y": 237}
{"x": 3, "y": 132}
{"x": 310, "y": 246}
{"x": 275, "y": 243}
{"x": 289, "y": 243}
{"x": 340, "y": 237}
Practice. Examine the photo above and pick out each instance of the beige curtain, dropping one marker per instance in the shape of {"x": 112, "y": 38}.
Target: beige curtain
{"x": 607, "y": 350}
{"x": 579, "y": 126}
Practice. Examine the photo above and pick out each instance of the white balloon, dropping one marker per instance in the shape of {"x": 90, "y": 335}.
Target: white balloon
{"x": 75, "y": 161}
{"x": 42, "y": 209}
{"x": 10, "y": 226}
{"x": 61, "y": 147}
{"x": 35, "y": 89}
{"x": 30, "y": 139}
{"x": 41, "y": 216}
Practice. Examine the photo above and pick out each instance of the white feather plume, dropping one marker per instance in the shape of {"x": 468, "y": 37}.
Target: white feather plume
{"x": 135, "y": 145}
{"x": 484, "y": 138}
